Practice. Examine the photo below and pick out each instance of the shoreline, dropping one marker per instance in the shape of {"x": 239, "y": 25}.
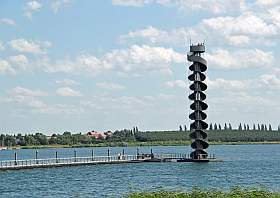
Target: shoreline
{"x": 133, "y": 144}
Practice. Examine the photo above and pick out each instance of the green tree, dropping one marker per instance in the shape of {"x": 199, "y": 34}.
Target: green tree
{"x": 229, "y": 127}
{"x": 240, "y": 127}
{"x": 41, "y": 139}
{"x": 211, "y": 127}
{"x": 215, "y": 127}
{"x": 262, "y": 127}
{"x": 269, "y": 127}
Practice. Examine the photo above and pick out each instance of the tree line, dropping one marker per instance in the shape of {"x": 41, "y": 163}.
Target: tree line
{"x": 243, "y": 133}
{"x": 241, "y": 127}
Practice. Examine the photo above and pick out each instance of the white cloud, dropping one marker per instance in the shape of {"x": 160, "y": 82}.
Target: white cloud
{"x": 5, "y": 67}
{"x": 231, "y": 85}
{"x": 270, "y": 80}
{"x": 238, "y": 40}
{"x": 35, "y": 47}
{"x": 150, "y": 33}
{"x": 44, "y": 108}
{"x": 19, "y": 61}
{"x": 67, "y": 91}
{"x": 110, "y": 86}
{"x": 133, "y": 59}
{"x": 30, "y": 7}
{"x": 27, "y": 101}
{"x": 34, "y": 105}
{"x": 214, "y": 6}
{"x": 58, "y": 4}
{"x": 7, "y": 21}
{"x": 224, "y": 59}
{"x": 14, "y": 64}
{"x": 268, "y": 2}
{"x": 87, "y": 64}
{"x": 246, "y": 24}
{"x": 155, "y": 36}
{"x": 137, "y": 3}
{"x": 176, "y": 83}
{"x": 266, "y": 81}
{"x": 21, "y": 91}
{"x": 246, "y": 29}
{"x": 144, "y": 58}
{"x": 67, "y": 82}
{"x": 274, "y": 16}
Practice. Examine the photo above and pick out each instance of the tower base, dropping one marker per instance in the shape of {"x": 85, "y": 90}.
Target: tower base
{"x": 200, "y": 160}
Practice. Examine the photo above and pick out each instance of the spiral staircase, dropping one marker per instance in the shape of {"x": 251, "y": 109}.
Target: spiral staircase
{"x": 198, "y": 126}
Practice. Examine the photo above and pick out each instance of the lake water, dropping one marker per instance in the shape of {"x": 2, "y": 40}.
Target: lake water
{"x": 244, "y": 165}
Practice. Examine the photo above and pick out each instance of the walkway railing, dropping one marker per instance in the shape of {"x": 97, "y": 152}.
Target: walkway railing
{"x": 51, "y": 162}
{"x": 62, "y": 161}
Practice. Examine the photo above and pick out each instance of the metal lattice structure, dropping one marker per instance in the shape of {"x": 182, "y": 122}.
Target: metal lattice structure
{"x": 198, "y": 106}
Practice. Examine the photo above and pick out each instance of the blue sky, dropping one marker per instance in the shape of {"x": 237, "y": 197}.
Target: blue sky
{"x": 106, "y": 65}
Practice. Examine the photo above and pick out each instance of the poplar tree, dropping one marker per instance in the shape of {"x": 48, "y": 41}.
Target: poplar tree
{"x": 262, "y": 127}
{"x": 240, "y": 127}
{"x": 211, "y": 127}
{"x": 215, "y": 127}
{"x": 229, "y": 126}
{"x": 225, "y": 127}
{"x": 269, "y": 127}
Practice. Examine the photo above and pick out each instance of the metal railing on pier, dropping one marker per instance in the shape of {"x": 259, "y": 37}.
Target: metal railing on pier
{"x": 65, "y": 161}
{"x": 109, "y": 159}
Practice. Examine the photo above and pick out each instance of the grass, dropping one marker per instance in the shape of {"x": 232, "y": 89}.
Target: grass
{"x": 236, "y": 192}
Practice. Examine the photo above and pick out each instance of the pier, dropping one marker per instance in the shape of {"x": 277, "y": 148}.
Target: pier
{"x": 95, "y": 160}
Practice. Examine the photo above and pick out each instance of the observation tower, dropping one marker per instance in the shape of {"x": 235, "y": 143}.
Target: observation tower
{"x": 198, "y": 126}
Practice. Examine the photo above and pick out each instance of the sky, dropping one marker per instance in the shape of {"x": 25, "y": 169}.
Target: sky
{"x": 69, "y": 65}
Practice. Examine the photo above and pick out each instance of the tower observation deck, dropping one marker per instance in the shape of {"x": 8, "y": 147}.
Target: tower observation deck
{"x": 198, "y": 126}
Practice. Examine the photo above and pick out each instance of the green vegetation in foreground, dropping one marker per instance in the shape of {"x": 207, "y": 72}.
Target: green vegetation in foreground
{"x": 196, "y": 193}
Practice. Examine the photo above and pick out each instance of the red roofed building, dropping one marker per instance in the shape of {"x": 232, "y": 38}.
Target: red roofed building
{"x": 97, "y": 135}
